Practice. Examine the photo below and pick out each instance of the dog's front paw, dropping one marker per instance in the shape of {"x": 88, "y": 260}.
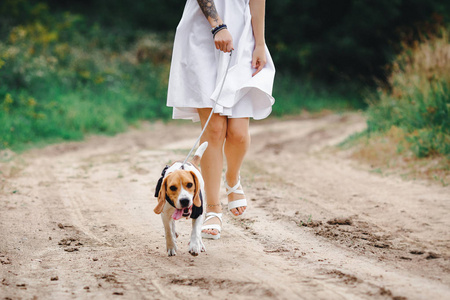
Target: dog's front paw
{"x": 172, "y": 251}
{"x": 195, "y": 247}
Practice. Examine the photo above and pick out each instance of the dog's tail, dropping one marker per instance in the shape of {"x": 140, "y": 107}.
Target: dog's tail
{"x": 199, "y": 153}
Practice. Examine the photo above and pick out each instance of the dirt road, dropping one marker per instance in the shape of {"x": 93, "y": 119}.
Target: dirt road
{"x": 77, "y": 221}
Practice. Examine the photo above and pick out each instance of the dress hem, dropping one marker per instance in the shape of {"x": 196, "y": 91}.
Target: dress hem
{"x": 190, "y": 112}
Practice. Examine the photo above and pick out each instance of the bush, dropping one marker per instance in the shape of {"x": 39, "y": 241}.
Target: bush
{"x": 62, "y": 79}
{"x": 418, "y": 100}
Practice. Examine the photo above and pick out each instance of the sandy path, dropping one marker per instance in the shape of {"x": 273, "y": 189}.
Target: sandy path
{"x": 81, "y": 214}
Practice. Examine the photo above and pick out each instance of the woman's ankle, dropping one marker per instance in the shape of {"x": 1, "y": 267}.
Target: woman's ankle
{"x": 232, "y": 179}
{"x": 216, "y": 207}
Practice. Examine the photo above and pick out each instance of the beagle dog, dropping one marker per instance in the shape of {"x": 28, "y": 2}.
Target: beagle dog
{"x": 180, "y": 192}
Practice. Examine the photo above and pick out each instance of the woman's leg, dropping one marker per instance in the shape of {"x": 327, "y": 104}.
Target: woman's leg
{"x": 236, "y": 145}
{"x": 212, "y": 161}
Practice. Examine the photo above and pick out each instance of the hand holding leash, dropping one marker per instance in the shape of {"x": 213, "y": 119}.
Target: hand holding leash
{"x": 223, "y": 40}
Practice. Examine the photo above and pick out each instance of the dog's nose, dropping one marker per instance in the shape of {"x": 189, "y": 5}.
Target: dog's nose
{"x": 184, "y": 202}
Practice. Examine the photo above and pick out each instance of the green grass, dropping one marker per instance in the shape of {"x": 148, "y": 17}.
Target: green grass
{"x": 294, "y": 95}
{"x": 56, "y": 113}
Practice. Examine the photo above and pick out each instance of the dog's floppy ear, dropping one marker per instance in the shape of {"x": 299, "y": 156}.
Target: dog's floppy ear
{"x": 197, "y": 201}
{"x": 161, "y": 197}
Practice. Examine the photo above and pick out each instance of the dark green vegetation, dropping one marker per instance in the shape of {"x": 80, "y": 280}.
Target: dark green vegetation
{"x": 347, "y": 40}
{"x": 326, "y": 40}
{"x": 68, "y": 68}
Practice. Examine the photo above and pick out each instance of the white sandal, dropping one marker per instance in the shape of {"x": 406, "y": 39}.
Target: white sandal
{"x": 209, "y": 216}
{"x": 235, "y": 203}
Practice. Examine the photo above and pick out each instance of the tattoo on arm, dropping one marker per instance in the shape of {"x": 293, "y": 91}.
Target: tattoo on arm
{"x": 209, "y": 9}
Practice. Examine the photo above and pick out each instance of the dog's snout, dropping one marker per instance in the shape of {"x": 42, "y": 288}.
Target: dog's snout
{"x": 184, "y": 202}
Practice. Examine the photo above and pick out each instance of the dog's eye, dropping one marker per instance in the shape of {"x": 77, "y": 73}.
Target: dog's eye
{"x": 173, "y": 188}
{"x": 189, "y": 185}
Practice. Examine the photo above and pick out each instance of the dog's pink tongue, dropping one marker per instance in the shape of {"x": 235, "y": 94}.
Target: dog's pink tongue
{"x": 177, "y": 214}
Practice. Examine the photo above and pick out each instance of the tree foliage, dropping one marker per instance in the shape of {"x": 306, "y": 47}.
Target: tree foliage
{"x": 351, "y": 39}
{"x": 323, "y": 39}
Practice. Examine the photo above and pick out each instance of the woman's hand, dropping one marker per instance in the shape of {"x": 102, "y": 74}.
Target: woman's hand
{"x": 259, "y": 59}
{"x": 224, "y": 41}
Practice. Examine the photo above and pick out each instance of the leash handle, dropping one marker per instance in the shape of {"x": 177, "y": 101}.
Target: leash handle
{"x": 210, "y": 115}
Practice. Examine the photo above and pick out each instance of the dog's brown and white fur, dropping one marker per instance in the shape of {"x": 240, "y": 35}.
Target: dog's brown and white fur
{"x": 183, "y": 187}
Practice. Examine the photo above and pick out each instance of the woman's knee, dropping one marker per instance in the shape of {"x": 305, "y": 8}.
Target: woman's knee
{"x": 215, "y": 132}
{"x": 238, "y": 134}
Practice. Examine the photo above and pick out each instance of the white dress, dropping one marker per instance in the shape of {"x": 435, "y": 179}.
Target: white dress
{"x": 198, "y": 68}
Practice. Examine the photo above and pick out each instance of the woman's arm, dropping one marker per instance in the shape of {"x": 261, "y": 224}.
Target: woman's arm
{"x": 209, "y": 10}
{"x": 257, "y": 9}
{"x": 223, "y": 39}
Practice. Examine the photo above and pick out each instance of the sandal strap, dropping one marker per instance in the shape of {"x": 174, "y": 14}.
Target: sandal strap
{"x": 240, "y": 192}
{"x": 237, "y": 203}
{"x": 210, "y": 215}
{"x": 234, "y": 189}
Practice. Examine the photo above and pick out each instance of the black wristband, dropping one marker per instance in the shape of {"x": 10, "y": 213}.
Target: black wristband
{"x": 218, "y": 28}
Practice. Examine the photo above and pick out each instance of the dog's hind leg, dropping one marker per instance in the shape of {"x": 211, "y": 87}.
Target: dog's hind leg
{"x": 169, "y": 229}
{"x": 196, "y": 244}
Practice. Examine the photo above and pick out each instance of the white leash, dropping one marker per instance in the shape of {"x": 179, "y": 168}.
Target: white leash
{"x": 212, "y": 112}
